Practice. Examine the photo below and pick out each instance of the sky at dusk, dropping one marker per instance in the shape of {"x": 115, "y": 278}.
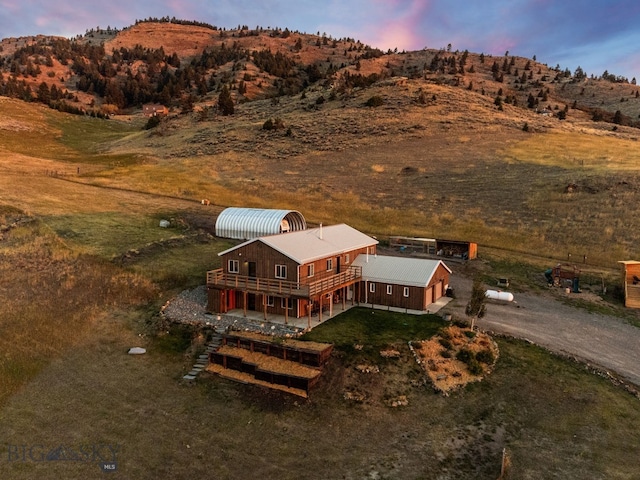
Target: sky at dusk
{"x": 596, "y": 35}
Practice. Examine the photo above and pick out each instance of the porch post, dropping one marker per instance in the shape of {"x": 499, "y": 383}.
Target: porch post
{"x": 264, "y": 305}
{"x": 286, "y": 311}
{"x": 244, "y": 302}
{"x": 331, "y": 305}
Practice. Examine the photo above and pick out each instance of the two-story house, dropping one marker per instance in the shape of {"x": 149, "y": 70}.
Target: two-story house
{"x": 295, "y": 274}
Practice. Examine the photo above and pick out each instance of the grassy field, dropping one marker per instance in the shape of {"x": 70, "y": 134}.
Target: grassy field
{"x": 85, "y": 268}
{"x": 554, "y": 418}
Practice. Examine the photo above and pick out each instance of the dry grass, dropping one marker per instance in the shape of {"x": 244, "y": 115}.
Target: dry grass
{"x": 70, "y": 315}
{"x": 44, "y": 287}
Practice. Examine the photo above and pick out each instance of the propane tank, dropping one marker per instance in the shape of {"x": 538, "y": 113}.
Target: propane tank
{"x": 498, "y": 295}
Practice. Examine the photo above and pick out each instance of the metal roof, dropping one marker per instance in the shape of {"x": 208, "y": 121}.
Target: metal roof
{"x": 315, "y": 243}
{"x": 247, "y": 223}
{"x": 415, "y": 272}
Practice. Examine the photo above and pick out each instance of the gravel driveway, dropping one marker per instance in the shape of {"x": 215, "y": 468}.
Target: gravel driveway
{"x": 605, "y": 341}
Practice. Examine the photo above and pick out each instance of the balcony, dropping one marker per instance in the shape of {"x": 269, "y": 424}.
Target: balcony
{"x": 273, "y": 286}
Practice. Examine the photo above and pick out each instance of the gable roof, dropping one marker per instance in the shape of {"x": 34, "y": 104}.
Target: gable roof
{"x": 415, "y": 272}
{"x": 305, "y": 246}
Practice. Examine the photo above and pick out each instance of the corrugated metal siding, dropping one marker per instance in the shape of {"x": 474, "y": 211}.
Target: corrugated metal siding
{"x": 248, "y": 223}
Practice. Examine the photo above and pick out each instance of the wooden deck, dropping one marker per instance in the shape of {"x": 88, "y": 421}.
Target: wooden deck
{"x": 270, "y": 286}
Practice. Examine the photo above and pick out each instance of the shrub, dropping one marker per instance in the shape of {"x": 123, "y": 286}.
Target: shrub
{"x": 465, "y": 355}
{"x": 461, "y": 322}
{"x": 153, "y": 122}
{"x": 474, "y": 367}
{"x": 445, "y": 343}
{"x": 485, "y": 356}
{"x": 375, "y": 101}
{"x": 273, "y": 124}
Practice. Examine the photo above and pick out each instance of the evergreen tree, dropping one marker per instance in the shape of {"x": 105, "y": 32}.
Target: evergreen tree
{"x": 225, "y": 102}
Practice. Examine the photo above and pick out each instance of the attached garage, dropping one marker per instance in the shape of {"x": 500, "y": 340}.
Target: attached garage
{"x": 247, "y": 223}
{"x": 401, "y": 282}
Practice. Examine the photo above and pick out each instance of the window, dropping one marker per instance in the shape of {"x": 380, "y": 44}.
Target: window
{"x": 389, "y": 289}
{"x": 281, "y": 271}
{"x": 329, "y": 264}
{"x": 269, "y": 300}
{"x": 311, "y": 270}
{"x": 346, "y": 258}
{"x": 286, "y": 303}
{"x": 406, "y": 291}
{"x": 234, "y": 266}
{"x": 372, "y": 287}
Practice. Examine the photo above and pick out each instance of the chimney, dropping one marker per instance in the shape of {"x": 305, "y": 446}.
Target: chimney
{"x": 321, "y": 231}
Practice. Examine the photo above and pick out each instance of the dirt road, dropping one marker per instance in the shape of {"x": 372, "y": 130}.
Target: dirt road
{"x": 602, "y": 340}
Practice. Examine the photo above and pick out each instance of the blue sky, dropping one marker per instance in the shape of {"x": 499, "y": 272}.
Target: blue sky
{"x": 596, "y": 35}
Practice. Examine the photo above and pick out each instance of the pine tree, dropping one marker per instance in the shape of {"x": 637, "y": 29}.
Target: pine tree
{"x": 225, "y": 102}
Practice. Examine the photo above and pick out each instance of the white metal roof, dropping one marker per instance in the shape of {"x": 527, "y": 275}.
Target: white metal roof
{"x": 305, "y": 246}
{"x": 415, "y": 272}
{"x": 247, "y": 223}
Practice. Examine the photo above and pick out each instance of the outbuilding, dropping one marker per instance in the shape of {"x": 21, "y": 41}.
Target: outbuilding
{"x": 248, "y": 223}
{"x": 631, "y": 283}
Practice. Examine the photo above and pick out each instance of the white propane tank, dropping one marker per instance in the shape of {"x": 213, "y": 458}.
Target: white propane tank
{"x": 497, "y": 295}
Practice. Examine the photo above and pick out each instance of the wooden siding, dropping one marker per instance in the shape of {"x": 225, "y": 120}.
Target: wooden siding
{"x": 339, "y": 264}
{"x": 297, "y": 285}
{"x": 265, "y": 260}
{"x": 419, "y": 297}
{"x": 631, "y": 283}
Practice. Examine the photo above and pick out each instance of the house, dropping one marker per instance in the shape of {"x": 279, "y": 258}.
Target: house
{"x": 295, "y": 274}
{"x": 154, "y": 110}
{"x": 310, "y": 272}
{"x": 401, "y": 282}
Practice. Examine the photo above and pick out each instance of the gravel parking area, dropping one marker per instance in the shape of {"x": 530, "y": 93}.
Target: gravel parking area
{"x": 604, "y": 341}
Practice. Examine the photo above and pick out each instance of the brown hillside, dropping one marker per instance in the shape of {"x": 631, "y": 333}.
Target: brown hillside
{"x": 516, "y": 80}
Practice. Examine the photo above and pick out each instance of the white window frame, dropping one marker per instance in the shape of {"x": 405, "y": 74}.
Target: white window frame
{"x": 311, "y": 270}
{"x": 286, "y": 303}
{"x": 346, "y": 258}
{"x": 281, "y": 271}
{"x": 269, "y": 301}
{"x": 372, "y": 287}
{"x": 234, "y": 266}
{"x": 389, "y": 289}
{"x": 405, "y": 293}
{"x": 329, "y": 264}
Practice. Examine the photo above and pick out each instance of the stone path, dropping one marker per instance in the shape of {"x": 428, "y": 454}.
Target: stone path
{"x": 203, "y": 360}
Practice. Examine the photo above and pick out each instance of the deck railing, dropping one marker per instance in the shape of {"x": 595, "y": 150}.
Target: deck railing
{"x": 274, "y": 286}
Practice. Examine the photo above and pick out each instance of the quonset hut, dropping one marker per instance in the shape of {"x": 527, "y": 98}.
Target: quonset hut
{"x": 247, "y": 223}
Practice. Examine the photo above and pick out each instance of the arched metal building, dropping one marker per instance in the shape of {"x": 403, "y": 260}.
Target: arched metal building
{"x": 248, "y": 223}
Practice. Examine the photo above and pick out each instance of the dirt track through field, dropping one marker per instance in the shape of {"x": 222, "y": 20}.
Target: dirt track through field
{"x": 602, "y": 340}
